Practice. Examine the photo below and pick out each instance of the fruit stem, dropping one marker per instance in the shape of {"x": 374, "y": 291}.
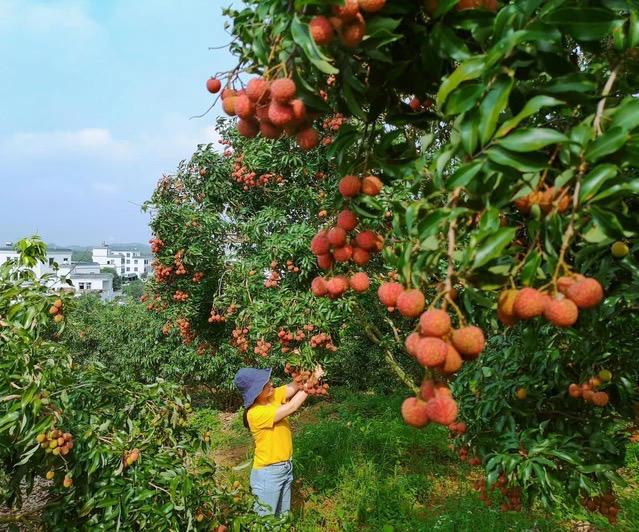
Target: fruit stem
{"x": 460, "y": 315}
{"x": 596, "y": 124}
{"x": 437, "y": 298}
{"x": 450, "y": 270}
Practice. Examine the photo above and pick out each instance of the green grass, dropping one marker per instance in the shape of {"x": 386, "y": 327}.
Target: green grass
{"x": 359, "y": 467}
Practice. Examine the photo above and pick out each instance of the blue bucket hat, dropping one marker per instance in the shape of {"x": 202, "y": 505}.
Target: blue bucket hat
{"x": 251, "y": 382}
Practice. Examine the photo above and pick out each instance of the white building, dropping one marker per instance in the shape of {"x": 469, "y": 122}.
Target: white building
{"x": 128, "y": 262}
{"x": 85, "y": 277}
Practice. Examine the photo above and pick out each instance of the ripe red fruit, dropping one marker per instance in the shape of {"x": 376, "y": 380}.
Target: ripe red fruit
{"x": 442, "y": 390}
{"x": 427, "y": 389}
{"x": 529, "y": 303}
{"x": 360, "y": 256}
{"x": 269, "y": 130}
{"x": 453, "y": 361}
{"x": 320, "y": 244}
{"x": 283, "y": 90}
{"x": 360, "y": 282}
{"x": 318, "y": 286}
{"x": 430, "y": 352}
{"x": 258, "y": 90}
{"x": 505, "y": 307}
{"x": 280, "y": 114}
{"x": 349, "y": 186}
{"x": 564, "y": 282}
{"x": 321, "y": 30}
{"x": 371, "y": 185}
{"x": 410, "y": 303}
{"x": 586, "y": 294}
{"x": 343, "y": 254}
{"x": 213, "y": 85}
{"x": 600, "y": 398}
{"x": 248, "y": 128}
{"x": 352, "y": 33}
{"x": 325, "y": 261}
{"x": 442, "y": 410}
{"x": 388, "y": 293}
{"x": 371, "y": 6}
{"x": 228, "y": 105}
{"x": 367, "y": 240}
{"x": 469, "y": 341}
{"x": 244, "y": 107}
{"x": 574, "y": 390}
{"x": 348, "y": 11}
{"x": 308, "y": 139}
{"x": 299, "y": 109}
{"x": 337, "y": 237}
{"x": 347, "y": 220}
{"x": 561, "y": 312}
{"x": 411, "y": 343}
{"x": 415, "y": 104}
{"x": 435, "y": 322}
{"x": 414, "y": 412}
{"x": 337, "y": 286}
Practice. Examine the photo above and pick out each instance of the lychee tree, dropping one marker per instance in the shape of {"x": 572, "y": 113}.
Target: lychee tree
{"x": 504, "y": 140}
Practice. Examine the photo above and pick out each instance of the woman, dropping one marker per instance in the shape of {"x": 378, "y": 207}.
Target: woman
{"x": 265, "y": 414}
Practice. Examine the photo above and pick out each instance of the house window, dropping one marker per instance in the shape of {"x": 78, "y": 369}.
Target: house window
{"x": 128, "y": 255}
{"x": 135, "y": 269}
{"x": 146, "y": 261}
{"x": 128, "y": 269}
{"x": 88, "y": 285}
{"x": 65, "y": 259}
{"x": 135, "y": 261}
{"x": 50, "y": 261}
{"x": 128, "y": 261}
{"x": 81, "y": 286}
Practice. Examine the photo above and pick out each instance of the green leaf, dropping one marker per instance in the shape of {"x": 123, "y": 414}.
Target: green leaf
{"x": 470, "y": 69}
{"x": 493, "y": 245}
{"x": 532, "y": 139}
{"x": 302, "y": 38}
{"x": 532, "y": 106}
{"x": 627, "y": 115}
{"x": 464, "y": 175}
{"x": 469, "y": 131}
{"x": 464, "y": 98}
{"x": 529, "y": 269}
{"x": 524, "y": 162}
{"x": 611, "y": 141}
{"x": 583, "y": 23}
{"x": 492, "y": 106}
{"x": 592, "y": 181}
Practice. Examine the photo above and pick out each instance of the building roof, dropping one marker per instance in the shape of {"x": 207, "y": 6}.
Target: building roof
{"x": 85, "y": 263}
{"x": 91, "y": 276}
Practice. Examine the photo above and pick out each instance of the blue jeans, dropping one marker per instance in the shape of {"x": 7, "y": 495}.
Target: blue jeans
{"x": 272, "y": 486}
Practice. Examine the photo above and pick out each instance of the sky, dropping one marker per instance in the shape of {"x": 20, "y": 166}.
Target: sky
{"x": 95, "y": 100}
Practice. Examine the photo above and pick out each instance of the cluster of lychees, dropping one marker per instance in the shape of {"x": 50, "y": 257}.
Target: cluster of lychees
{"x": 249, "y": 179}
{"x": 201, "y": 349}
{"x": 306, "y": 380}
{"x": 334, "y": 122}
{"x": 290, "y": 266}
{"x": 56, "y": 311}
{"x": 337, "y": 286}
{"x": 156, "y": 245}
{"x": 574, "y": 292}
{"x": 239, "y": 339}
{"x": 333, "y": 244}
{"x": 269, "y": 108}
{"x": 130, "y": 457}
{"x": 347, "y": 21}
{"x": 186, "y": 332}
{"x": 287, "y": 337}
{"x": 322, "y": 340}
{"x": 588, "y": 390}
{"x": 512, "y": 494}
{"x": 166, "y": 328}
{"x": 179, "y": 265}
{"x": 157, "y": 304}
{"x": 418, "y": 105}
{"x": 435, "y": 403}
{"x": 161, "y": 272}
{"x": 56, "y": 442}
{"x": 197, "y": 277}
{"x": 216, "y": 317}
{"x": 606, "y": 504}
{"x": 548, "y": 199}
{"x": 463, "y": 453}
{"x": 273, "y": 279}
{"x": 262, "y": 347}
{"x": 180, "y": 296}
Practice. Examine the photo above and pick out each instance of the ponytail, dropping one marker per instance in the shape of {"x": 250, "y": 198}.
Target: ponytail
{"x": 245, "y": 419}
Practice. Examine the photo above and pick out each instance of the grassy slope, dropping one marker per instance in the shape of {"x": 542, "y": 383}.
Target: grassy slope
{"x": 358, "y": 467}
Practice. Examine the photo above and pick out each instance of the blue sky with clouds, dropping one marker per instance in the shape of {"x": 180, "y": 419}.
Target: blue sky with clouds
{"x": 95, "y": 100}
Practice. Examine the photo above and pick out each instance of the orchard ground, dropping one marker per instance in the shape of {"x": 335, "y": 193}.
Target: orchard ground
{"x": 359, "y": 467}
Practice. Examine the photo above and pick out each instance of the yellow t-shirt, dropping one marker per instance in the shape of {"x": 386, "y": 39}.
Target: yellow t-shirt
{"x": 273, "y": 441}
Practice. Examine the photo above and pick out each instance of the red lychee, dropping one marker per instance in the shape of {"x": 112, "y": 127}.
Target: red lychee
{"x": 299, "y": 109}
{"x": 347, "y": 220}
{"x": 561, "y": 312}
{"x": 213, "y": 85}
{"x": 367, "y": 240}
{"x": 388, "y": 293}
{"x": 352, "y": 33}
{"x": 414, "y": 412}
{"x": 586, "y": 294}
{"x": 574, "y": 390}
{"x": 453, "y": 362}
{"x": 529, "y": 303}
{"x": 349, "y": 186}
{"x": 442, "y": 390}
{"x": 411, "y": 343}
{"x": 228, "y": 105}
{"x": 469, "y": 341}
{"x": 360, "y": 282}
{"x": 343, "y": 253}
{"x": 442, "y": 410}
{"x": 258, "y": 90}
{"x": 320, "y": 244}
{"x": 307, "y": 139}
{"x": 410, "y": 303}
{"x": 321, "y": 30}
{"x": 371, "y": 185}
{"x": 371, "y": 6}
{"x": 318, "y": 286}
{"x": 283, "y": 90}
{"x": 427, "y": 389}
{"x": 435, "y": 322}
{"x": 280, "y": 114}
{"x": 243, "y": 107}
{"x": 337, "y": 236}
{"x": 505, "y": 307}
{"x": 600, "y": 398}
{"x": 325, "y": 261}
{"x": 430, "y": 352}
{"x": 347, "y": 11}
{"x": 269, "y": 130}
{"x": 360, "y": 256}
{"x": 248, "y": 128}
{"x": 336, "y": 286}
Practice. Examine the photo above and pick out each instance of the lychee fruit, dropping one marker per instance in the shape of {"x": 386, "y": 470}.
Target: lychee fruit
{"x": 442, "y": 390}
{"x": 600, "y": 398}
{"x": 348, "y": 11}
{"x": 360, "y": 256}
{"x": 299, "y": 109}
{"x": 566, "y": 281}
{"x": 619, "y": 249}
{"x": 248, "y": 128}
{"x": 529, "y": 303}
{"x": 561, "y": 312}
{"x": 410, "y": 303}
{"x": 347, "y": 220}
{"x": 325, "y": 261}
{"x": 505, "y": 306}
{"x": 337, "y": 236}
{"x": 442, "y": 410}
{"x": 258, "y": 90}
{"x": 318, "y": 286}
{"x": 343, "y": 253}
{"x": 360, "y": 282}
{"x": 320, "y": 244}
{"x": 434, "y": 322}
{"x": 453, "y": 361}
{"x": 321, "y": 30}
{"x": 574, "y": 390}
{"x": 388, "y": 293}
{"x": 336, "y": 286}
{"x": 367, "y": 240}
{"x": 228, "y": 105}
{"x": 283, "y": 90}
{"x": 521, "y": 393}
{"x": 371, "y": 6}
{"x": 213, "y": 85}
{"x": 269, "y": 130}
{"x": 280, "y": 114}
{"x": 469, "y": 341}
{"x": 427, "y": 389}
{"x": 352, "y": 33}
{"x": 243, "y": 107}
{"x": 371, "y": 185}
{"x": 411, "y": 343}
{"x": 431, "y": 352}
{"x": 307, "y": 139}
{"x": 414, "y": 412}
{"x": 349, "y": 186}
{"x": 586, "y": 294}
